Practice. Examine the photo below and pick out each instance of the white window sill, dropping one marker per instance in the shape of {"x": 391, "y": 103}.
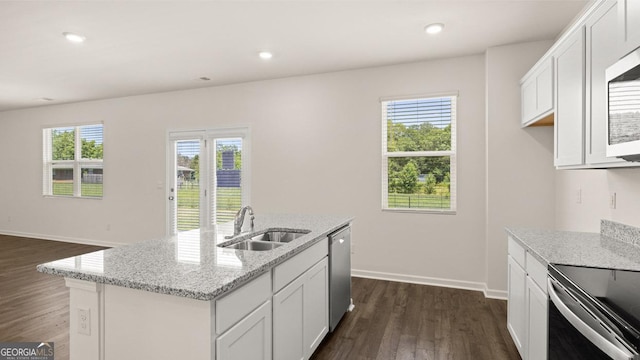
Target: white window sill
{"x": 420, "y": 211}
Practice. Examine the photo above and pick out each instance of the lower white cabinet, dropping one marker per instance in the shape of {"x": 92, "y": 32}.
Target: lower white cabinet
{"x": 516, "y": 305}
{"x": 537, "y": 304}
{"x": 248, "y": 339}
{"x": 300, "y": 314}
{"x": 527, "y": 303}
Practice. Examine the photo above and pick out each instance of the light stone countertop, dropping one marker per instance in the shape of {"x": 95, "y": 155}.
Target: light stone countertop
{"x": 578, "y": 248}
{"x": 191, "y": 264}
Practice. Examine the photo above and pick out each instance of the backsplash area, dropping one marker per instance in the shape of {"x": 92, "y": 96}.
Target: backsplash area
{"x": 583, "y": 198}
{"x": 621, "y": 232}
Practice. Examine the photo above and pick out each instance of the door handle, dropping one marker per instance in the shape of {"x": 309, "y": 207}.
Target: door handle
{"x": 611, "y": 346}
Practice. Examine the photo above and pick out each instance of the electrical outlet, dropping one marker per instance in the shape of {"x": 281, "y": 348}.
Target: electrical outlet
{"x": 108, "y": 227}
{"x": 612, "y": 201}
{"x": 84, "y": 321}
{"x": 579, "y": 196}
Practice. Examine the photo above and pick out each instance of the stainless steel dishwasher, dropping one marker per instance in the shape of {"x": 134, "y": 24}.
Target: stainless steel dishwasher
{"x": 339, "y": 275}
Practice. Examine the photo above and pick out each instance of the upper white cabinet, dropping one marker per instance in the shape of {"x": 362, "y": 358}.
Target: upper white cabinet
{"x": 537, "y": 93}
{"x": 576, "y": 64}
{"x": 628, "y": 26}
{"x": 601, "y": 53}
{"x": 569, "y": 115}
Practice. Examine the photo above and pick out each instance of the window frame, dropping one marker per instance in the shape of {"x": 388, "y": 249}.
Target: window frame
{"x": 77, "y": 164}
{"x": 452, "y": 154}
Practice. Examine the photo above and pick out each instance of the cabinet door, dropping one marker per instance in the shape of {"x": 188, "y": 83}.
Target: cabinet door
{"x": 601, "y": 53}
{"x": 544, "y": 88}
{"x": 316, "y": 306}
{"x": 516, "y": 304}
{"x": 569, "y": 118}
{"x": 537, "y": 303}
{"x": 629, "y": 26}
{"x": 537, "y": 93}
{"x": 529, "y": 100}
{"x": 288, "y": 322}
{"x": 301, "y": 314}
{"x": 248, "y": 339}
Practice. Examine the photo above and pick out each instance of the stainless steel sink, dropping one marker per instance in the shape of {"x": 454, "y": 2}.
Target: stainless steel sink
{"x": 279, "y": 236}
{"x": 254, "y": 245}
{"x": 268, "y": 240}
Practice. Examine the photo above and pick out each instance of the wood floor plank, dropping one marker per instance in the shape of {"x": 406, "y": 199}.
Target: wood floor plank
{"x": 408, "y": 321}
{"x": 35, "y": 306}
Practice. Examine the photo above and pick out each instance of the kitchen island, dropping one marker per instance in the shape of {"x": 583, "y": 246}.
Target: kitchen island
{"x": 185, "y": 296}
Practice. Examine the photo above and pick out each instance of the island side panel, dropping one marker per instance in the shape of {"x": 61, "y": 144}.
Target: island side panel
{"x": 86, "y": 336}
{"x": 145, "y": 325}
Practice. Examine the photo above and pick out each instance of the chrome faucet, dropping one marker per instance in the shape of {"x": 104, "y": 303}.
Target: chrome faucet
{"x": 239, "y": 220}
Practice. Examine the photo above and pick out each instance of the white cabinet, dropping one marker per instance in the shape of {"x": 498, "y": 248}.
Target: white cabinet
{"x": 243, "y": 321}
{"x": 527, "y": 303}
{"x": 569, "y": 115}
{"x": 300, "y": 314}
{"x": 537, "y": 93}
{"x": 516, "y": 305}
{"x": 537, "y": 303}
{"x": 628, "y": 26}
{"x": 601, "y": 53}
{"x": 288, "y": 307}
{"x": 316, "y": 306}
{"x": 248, "y": 339}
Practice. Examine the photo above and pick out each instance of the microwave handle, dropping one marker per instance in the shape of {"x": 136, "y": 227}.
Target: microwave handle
{"x": 615, "y": 351}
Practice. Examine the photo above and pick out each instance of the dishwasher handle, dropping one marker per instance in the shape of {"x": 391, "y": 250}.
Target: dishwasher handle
{"x": 612, "y": 347}
{"x": 340, "y": 236}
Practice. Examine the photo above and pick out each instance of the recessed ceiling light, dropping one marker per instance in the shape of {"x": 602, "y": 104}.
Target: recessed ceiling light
{"x": 433, "y": 29}
{"x": 204, "y": 78}
{"x": 74, "y": 38}
{"x": 44, "y": 99}
{"x": 265, "y": 55}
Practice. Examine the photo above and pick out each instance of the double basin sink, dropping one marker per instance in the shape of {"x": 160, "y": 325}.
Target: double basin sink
{"x": 268, "y": 240}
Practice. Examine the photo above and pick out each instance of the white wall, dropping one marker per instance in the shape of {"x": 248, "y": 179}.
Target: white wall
{"x": 596, "y": 186}
{"x": 316, "y": 149}
{"x": 520, "y": 172}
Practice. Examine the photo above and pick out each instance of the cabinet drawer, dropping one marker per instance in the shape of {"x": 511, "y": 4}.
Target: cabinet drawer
{"x": 238, "y": 304}
{"x": 537, "y": 272}
{"x": 294, "y": 267}
{"x": 517, "y": 252}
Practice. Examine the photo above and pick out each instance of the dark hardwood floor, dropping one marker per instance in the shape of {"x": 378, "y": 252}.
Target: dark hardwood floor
{"x": 391, "y": 320}
{"x": 34, "y": 306}
{"x": 394, "y": 320}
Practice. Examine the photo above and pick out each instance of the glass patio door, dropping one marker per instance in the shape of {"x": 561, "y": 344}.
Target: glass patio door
{"x": 207, "y": 178}
{"x": 186, "y": 194}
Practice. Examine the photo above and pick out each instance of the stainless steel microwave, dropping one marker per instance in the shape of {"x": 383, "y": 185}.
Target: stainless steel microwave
{"x": 623, "y": 103}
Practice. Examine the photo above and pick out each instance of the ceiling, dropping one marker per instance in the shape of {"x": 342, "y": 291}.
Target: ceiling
{"x": 150, "y": 46}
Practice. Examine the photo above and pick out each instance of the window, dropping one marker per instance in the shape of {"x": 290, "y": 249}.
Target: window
{"x": 419, "y": 154}
{"x": 72, "y": 161}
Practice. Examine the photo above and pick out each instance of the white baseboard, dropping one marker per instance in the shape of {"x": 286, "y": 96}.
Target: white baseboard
{"x": 495, "y": 294}
{"x": 62, "y": 238}
{"x": 422, "y": 280}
